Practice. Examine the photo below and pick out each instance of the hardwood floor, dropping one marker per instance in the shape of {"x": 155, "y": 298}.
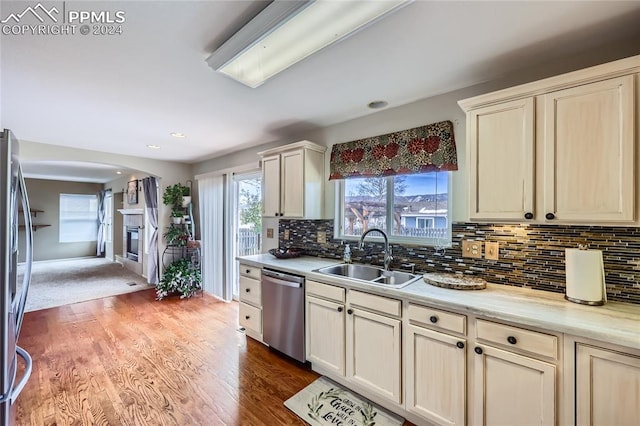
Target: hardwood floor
{"x": 131, "y": 360}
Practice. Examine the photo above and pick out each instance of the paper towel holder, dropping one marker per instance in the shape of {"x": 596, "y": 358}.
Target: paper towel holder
{"x": 577, "y": 297}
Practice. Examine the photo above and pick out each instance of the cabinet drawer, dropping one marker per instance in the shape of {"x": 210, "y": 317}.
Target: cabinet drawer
{"x": 325, "y": 291}
{"x": 375, "y": 303}
{"x": 435, "y": 318}
{"x": 251, "y": 317}
{"x": 517, "y": 338}
{"x": 250, "y": 271}
{"x": 250, "y": 291}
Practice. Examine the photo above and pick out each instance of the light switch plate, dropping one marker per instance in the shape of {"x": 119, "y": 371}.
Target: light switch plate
{"x": 491, "y": 250}
{"x": 269, "y": 232}
{"x": 322, "y": 237}
{"x": 472, "y": 248}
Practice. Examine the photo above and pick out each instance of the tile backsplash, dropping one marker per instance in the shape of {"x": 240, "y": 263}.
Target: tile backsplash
{"x": 531, "y": 255}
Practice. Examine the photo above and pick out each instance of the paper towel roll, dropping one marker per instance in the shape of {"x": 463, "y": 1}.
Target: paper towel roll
{"x": 585, "y": 276}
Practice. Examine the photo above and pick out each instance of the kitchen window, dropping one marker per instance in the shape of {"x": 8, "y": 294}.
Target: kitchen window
{"x": 412, "y": 209}
{"x": 78, "y": 218}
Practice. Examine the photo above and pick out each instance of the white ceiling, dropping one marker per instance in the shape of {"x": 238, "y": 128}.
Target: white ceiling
{"x": 120, "y": 93}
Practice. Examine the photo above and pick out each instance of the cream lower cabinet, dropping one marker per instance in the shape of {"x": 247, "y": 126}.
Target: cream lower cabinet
{"x": 436, "y": 376}
{"x": 355, "y": 336}
{"x": 512, "y": 383}
{"x": 607, "y": 387}
{"x": 250, "y": 309}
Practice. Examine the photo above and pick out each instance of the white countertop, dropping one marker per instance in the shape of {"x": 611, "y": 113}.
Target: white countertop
{"x": 615, "y": 322}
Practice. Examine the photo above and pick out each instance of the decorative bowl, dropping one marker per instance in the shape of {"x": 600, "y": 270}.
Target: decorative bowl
{"x": 285, "y": 254}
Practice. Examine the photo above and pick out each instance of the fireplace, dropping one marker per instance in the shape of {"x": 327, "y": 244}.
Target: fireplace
{"x": 133, "y": 238}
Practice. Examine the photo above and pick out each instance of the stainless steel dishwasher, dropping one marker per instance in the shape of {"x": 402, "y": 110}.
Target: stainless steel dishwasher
{"x": 283, "y": 313}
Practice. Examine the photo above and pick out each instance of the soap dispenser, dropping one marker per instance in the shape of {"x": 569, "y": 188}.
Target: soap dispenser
{"x": 347, "y": 254}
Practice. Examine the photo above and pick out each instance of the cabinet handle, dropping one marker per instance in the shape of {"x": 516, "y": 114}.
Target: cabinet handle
{"x": 340, "y": 309}
{"x": 512, "y": 340}
{"x": 248, "y": 290}
{"x": 550, "y": 216}
{"x": 460, "y": 345}
{"x": 247, "y": 317}
{"x": 528, "y": 215}
{"x": 478, "y": 350}
{"x": 349, "y": 311}
{"x": 433, "y": 319}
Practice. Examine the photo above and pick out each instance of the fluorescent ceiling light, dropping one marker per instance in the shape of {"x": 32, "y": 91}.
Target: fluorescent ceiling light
{"x": 286, "y": 32}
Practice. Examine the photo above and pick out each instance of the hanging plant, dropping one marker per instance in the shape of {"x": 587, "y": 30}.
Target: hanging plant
{"x": 179, "y": 277}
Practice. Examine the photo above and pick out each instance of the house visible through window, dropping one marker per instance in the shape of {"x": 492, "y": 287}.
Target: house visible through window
{"x": 409, "y": 208}
{"x": 78, "y": 218}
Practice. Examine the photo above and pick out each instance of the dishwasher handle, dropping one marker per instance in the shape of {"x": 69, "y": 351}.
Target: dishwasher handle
{"x": 282, "y": 278}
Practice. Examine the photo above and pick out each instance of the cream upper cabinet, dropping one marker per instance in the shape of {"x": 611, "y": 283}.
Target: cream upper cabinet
{"x": 561, "y": 149}
{"x": 501, "y": 159}
{"x": 293, "y": 181}
{"x": 589, "y": 152}
{"x": 607, "y": 387}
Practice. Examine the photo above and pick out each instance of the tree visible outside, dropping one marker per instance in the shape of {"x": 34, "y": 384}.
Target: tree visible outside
{"x": 251, "y": 210}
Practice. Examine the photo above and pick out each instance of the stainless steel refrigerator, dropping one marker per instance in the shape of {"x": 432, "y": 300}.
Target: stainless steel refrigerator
{"x": 13, "y": 295}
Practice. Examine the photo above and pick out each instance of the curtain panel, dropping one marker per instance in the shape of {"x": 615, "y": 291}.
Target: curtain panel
{"x": 102, "y": 217}
{"x": 423, "y": 149}
{"x": 150, "y": 186}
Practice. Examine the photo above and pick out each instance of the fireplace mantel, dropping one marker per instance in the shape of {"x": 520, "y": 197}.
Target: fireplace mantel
{"x": 131, "y": 211}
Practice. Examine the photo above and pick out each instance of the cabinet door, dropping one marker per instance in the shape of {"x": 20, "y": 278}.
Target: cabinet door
{"x": 589, "y": 152}
{"x": 373, "y": 353}
{"x": 271, "y": 186}
{"x": 292, "y": 184}
{"x": 326, "y": 334}
{"x": 436, "y": 376}
{"x": 607, "y": 387}
{"x": 510, "y": 389}
{"x": 501, "y": 161}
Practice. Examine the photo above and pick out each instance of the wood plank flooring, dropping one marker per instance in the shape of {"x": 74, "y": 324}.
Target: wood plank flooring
{"x": 131, "y": 360}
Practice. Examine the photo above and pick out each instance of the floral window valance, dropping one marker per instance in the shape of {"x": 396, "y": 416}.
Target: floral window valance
{"x": 429, "y": 148}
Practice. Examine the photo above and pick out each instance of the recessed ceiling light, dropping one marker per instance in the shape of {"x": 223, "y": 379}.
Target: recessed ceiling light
{"x": 118, "y": 172}
{"x": 377, "y": 104}
{"x": 153, "y": 147}
{"x": 178, "y": 135}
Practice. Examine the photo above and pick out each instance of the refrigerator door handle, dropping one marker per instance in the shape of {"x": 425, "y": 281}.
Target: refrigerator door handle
{"x": 25, "y": 377}
{"x": 19, "y": 309}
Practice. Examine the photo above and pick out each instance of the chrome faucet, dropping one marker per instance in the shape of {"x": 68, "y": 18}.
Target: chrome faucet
{"x": 388, "y": 258}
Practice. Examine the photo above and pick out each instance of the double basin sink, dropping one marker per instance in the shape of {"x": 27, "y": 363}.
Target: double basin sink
{"x": 370, "y": 274}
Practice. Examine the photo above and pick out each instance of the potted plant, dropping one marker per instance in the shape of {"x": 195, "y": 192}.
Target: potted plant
{"x": 179, "y": 277}
{"x": 176, "y": 216}
{"x": 176, "y": 236}
{"x": 173, "y": 195}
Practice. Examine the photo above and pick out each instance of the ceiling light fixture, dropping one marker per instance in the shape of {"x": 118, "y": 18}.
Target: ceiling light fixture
{"x": 286, "y": 32}
{"x": 377, "y": 104}
{"x": 153, "y": 147}
{"x": 178, "y": 135}
{"x": 118, "y": 172}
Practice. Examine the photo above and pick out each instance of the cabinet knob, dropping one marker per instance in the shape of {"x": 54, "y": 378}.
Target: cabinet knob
{"x": 550, "y": 216}
{"x": 478, "y": 350}
{"x": 247, "y": 317}
{"x": 277, "y": 214}
{"x": 247, "y": 271}
{"x": 460, "y": 345}
{"x": 349, "y": 311}
{"x": 340, "y": 309}
{"x": 433, "y": 319}
{"x": 248, "y": 290}
{"x": 512, "y": 340}
{"x": 528, "y": 215}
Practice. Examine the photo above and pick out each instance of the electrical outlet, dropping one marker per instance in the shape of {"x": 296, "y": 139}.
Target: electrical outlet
{"x": 322, "y": 237}
{"x": 472, "y": 248}
{"x": 491, "y": 250}
{"x": 286, "y": 234}
{"x": 269, "y": 232}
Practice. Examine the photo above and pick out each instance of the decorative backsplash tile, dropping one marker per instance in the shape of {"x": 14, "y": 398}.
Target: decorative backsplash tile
{"x": 530, "y": 255}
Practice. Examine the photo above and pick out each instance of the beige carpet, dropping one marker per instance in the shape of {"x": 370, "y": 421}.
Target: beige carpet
{"x": 62, "y": 282}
